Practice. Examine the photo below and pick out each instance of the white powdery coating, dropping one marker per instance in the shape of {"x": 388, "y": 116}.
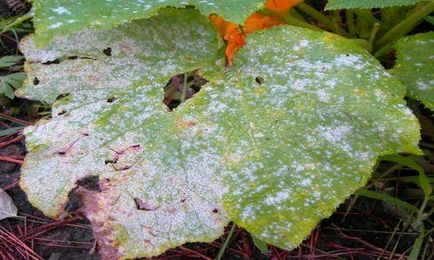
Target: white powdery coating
{"x": 281, "y": 155}
{"x": 56, "y": 17}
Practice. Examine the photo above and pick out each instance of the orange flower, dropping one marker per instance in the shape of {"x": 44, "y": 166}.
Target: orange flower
{"x": 235, "y": 34}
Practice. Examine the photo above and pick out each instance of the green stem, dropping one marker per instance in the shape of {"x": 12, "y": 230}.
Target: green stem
{"x": 309, "y": 10}
{"x": 297, "y": 15}
{"x": 366, "y": 15}
{"x": 18, "y": 21}
{"x": 226, "y": 243}
{"x": 294, "y": 21}
{"x": 350, "y": 22}
{"x": 374, "y": 32}
{"x": 406, "y": 25}
{"x": 290, "y": 20}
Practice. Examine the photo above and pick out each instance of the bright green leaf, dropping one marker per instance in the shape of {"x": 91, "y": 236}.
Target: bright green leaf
{"x": 367, "y": 4}
{"x": 415, "y": 66}
{"x": 56, "y": 17}
{"x": 275, "y": 157}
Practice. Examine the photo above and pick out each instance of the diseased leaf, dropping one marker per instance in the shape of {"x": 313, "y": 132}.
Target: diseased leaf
{"x": 235, "y": 34}
{"x": 7, "y": 206}
{"x": 309, "y": 135}
{"x": 275, "y": 155}
{"x": 368, "y": 4}
{"x": 56, "y": 17}
{"x": 415, "y": 66}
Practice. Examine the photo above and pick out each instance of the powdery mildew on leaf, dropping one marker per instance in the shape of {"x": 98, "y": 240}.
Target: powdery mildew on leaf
{"x": 367, "y": 4}
{"x": 310, "y": 134}
{"x": 275, "y": 156}
{"x": 131, "y": 143}
{"x": 415, "y": 66}
{"x": 55, "y": 17}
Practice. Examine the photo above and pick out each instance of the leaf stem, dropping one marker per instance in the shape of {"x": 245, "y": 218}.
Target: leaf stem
{"x": 350, "y": 22}
{"x": 309, "y": 10}
{"x": 226, "y": 243}
{"x": 18, "y": 21}
{"x": 290, "y": 20}
{"x": 406, "y": 25}
{"x": 373, "y": 34}
{"x": 297, "y": 15}
{"x": 366, "y": 16}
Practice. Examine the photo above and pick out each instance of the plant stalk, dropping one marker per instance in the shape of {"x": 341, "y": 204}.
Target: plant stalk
{"x": 374, "y": 32}
{"x": 226, "y": 243}
{"x": 309, "y": 10}
{"x": 406, "y": 25}
{"x": 350, "y": 22}
{"x": 290, "y": 20}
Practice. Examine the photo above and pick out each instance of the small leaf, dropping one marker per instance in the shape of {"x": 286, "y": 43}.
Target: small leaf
{"x": 7, "y": 206}
{"x": 367, "y": 4}
{"x": 7, "y": 61}
{"x": 430, "y": 19}
{"x": 261, "y": 245}
{"x": 10, "y": 131}
{"x": 415, "y": 66}
{"x": 405, "y": 161}
{"x": 9, "y": 83}
{"x": 387, "y": 198}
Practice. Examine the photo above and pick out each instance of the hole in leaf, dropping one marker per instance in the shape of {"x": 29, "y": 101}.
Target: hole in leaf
{"x": 90, "y": 183}
{"x": 389, "y": 59}
{"x": 259, "y": 80}
{"x": 110, "y": 161}
{"x": 111, "y": 99}
{"x": 144, "y": 205}
{"x": 56, "y": 61}
{"x": 62, "y": 96}
{"x": 74, "y": 202}
{"x": 61, "y": 112}
{"x": 107, "y": 51}
{"x": 36, "y": 81}
{"x": 182, "y": 87}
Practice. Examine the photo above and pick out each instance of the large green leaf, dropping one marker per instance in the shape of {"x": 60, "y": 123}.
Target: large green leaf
{"x": 275, "y": 157}
{"x": 367, "y": 4}
{"x": 55, "y": 17}
{"x": 415, "y": 66}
